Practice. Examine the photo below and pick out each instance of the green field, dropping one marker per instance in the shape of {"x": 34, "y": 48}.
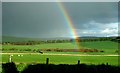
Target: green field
{"x": 26, "y": 59}
{"x": 95, "y": 44}
{"x": 62, "y": 59}
{"x": 108, "y": 47}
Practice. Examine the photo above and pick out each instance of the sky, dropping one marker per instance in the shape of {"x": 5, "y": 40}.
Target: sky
{"x": 46, "y": 20}
{"x": 60, "y": 0}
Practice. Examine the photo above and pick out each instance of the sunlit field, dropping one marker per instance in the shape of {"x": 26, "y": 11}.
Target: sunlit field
{"x": 24, "y": 55}
{"x": 107, "y": 46}
{"x": 61, "y": 59}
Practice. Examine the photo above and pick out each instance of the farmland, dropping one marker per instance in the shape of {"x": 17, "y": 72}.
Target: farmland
{"x": 26, "y": 54}
{"x": 107, "y": 46}
{"x": 103, "y": 45}
{"x": 24, "y": 59}
{"x": 61, "y": 59}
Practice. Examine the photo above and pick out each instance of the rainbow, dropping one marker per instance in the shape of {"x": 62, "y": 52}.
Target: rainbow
{"x": 69, "y": 23}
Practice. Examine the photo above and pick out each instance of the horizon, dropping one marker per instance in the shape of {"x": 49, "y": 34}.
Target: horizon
{"x": 57, "y": 37}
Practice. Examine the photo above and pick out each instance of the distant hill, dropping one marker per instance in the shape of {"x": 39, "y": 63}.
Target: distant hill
{"x": 94, "y": 37}
{"x": 16, "y": 39}
{"x": 23, "y": 39}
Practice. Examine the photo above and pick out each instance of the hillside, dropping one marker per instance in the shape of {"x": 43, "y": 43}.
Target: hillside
{"x": 23, "y": 39}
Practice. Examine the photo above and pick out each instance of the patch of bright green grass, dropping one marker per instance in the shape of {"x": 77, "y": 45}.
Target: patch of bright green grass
{"x": 60, "y": 59}
{"x": 107, "y": 46}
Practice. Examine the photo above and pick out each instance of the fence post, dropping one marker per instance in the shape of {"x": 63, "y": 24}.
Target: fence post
{"x": 10, "y": 58}
{"x": 107, "y": 63}
{"x": 47, "y": 61}
{"x": 78, "y": 62}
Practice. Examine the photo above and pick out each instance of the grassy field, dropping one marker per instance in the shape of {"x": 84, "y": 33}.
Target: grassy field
{"x": 25, "y": 59}
{"x": 62, "y": 59}
{"x": 107, "y": 46}
{"x": 95, "y": 44}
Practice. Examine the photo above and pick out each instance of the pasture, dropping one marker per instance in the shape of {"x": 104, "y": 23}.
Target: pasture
{"x": 22, "y": 60}
{"x": 61, "y": 58}
{"x": 24, "y": 54}
{"x": 107, "y": 46}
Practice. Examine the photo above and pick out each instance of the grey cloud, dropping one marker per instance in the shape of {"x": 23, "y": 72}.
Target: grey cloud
{"x": 0, "y": 20}
{"x": 46, "y": 19}
{"x": 60, "y": 0}
{"x": 82, "y": 13}
{"x": 31, "y": 18}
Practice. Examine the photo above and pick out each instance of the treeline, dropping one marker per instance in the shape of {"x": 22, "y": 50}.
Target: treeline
{"x": 61, "y": 68}
{"x": 88, "y": 39}
{"x": 36, "y": 42}
{"x": 53, "y": 50}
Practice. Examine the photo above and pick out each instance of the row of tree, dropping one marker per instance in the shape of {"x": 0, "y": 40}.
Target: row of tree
{"x": 35, "y": 42}
{"x": 115, "y": 39}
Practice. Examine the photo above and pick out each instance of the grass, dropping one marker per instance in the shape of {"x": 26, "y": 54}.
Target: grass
{"x": 95, "y": 44}
{"x": 102, "y": 45}
{"x": 60, "y": 59}
{"x": 23, "y": 61}
{"x": 107, "y": 46}
{"x": 41, "y": 46}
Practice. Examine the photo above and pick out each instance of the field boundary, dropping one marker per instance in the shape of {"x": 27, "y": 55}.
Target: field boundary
{"x": 56, "y": 54}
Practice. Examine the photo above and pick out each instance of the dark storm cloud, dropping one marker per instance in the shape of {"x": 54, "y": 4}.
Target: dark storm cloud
{"x": 35, "y": 19}
{"x": 46, "y": 19}
{"x": 100, "y": 12}
{"x": 60, "y": 0}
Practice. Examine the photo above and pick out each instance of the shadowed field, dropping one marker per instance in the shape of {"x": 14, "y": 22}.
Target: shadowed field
{"x": 61, "y": 68}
